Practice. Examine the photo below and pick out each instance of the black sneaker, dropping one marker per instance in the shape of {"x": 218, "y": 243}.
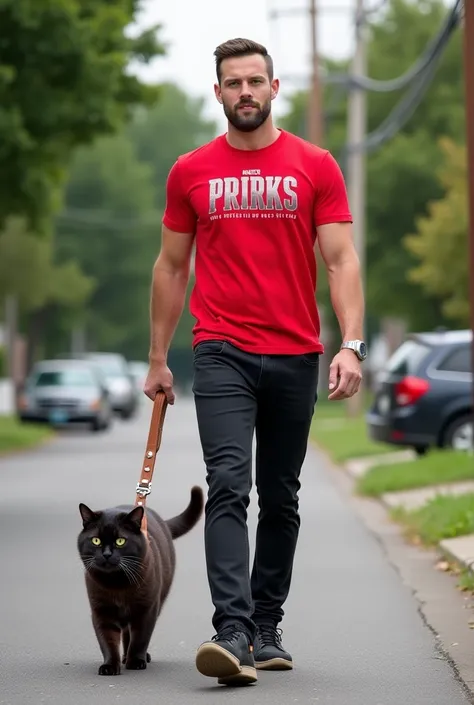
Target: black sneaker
{"x": 228, "y": 657}
{"x": 269, "y": 653}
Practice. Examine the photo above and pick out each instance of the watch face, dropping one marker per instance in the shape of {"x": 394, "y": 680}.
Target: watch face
{"x": 363, "y": 349}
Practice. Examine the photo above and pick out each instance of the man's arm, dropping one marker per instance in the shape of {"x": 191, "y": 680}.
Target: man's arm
{"x": 333, "y": 222}
{"x": 340, "y": 257}
{"x": 342, "y": 263}
{"x": 170, "y": 280}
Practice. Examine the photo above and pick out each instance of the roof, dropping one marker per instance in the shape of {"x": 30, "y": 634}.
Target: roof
{"x": 443, "y": 337}
{"x": 67, "y": 362}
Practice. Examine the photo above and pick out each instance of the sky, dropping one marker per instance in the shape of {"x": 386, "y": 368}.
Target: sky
{"x": 193, "y": 28}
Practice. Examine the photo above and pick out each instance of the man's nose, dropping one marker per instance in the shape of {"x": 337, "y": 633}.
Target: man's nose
{"x": 245, "y": 92}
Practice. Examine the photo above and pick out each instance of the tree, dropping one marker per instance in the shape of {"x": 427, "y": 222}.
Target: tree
{"x": 441, "y": 240}
{"x": 110, "y": 227}
{"x": 111, "y": 220}
{"x": 43, "y": 288}
{"x": 175, "y": 125}
{"x": 63, "y": 81}
{"x": 401, "y": 173}
{"x": 179, "y": 117}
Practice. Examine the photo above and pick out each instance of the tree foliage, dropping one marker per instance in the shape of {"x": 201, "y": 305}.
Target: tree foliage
{"x": 109, "y": 226}
{"x": 175, "y": 125}
{"x": 401, "y": 174}
{"x": 63, "y": 81}
{"x": 111, "y": 221}
{"x": 29, "y": 272}
{"x": 441, "y": 241}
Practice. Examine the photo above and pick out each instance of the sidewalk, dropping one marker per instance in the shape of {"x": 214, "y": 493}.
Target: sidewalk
{"x": 459, "y": 549}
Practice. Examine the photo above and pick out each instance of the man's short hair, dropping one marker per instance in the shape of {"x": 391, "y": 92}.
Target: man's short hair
{"x": 241, "y": 47}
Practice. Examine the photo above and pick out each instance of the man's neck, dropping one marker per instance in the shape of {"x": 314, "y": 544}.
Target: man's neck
{"x": 260, "y": 138}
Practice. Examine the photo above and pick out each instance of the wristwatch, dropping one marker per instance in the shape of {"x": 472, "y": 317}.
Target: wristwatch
{"x": 357, "y": 346}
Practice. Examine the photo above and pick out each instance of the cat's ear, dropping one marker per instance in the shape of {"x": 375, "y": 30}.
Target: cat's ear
{"x": 88, "y": 516}
{"x": 134, "y": 518}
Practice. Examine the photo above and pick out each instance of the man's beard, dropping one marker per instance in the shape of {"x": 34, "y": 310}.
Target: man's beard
{"x": 250, "y": 121}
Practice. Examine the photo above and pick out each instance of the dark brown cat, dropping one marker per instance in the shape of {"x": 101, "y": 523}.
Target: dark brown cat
{"x": 127, "y": 577}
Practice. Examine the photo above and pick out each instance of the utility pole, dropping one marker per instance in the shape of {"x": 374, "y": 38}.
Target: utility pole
{"x": 315, "y": 107}
{"x": 315, "y": 135}
{"x": 356, "y": 163}
{"x": 469, "y": 83}
{"x": 11, "y": 325}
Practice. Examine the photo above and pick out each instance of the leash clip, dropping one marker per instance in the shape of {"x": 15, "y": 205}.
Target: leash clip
{"x": 143, "y": 488}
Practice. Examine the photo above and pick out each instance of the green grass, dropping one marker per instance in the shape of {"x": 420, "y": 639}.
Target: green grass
{"x": 438, "y": 467}
{"x": 443, "y": 517}
{"x": 466, "y": 580}
{"x": 17, "y": 436}
{"x": 342, "y": 437}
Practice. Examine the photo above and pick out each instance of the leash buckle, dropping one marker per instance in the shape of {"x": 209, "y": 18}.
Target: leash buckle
{"x": 143, "y": 488}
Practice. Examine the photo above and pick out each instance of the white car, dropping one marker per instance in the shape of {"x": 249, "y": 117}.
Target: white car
{"x": 120, "y": 384}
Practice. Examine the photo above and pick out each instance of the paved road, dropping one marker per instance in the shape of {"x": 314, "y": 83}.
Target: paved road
{"x": 353, "y": 627}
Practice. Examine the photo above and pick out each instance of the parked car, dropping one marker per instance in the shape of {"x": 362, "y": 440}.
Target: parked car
{"x": 62, "y": 392}
{"x": 119, "y": 381}
{"x": 425, "y": 394}
{"x": 139, "y": 372}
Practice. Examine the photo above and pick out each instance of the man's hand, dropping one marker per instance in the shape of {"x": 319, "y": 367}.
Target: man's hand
{"x": 159, "y": 378}
{"x": 344, "y": 376}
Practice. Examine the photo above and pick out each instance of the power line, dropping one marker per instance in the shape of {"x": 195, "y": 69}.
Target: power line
{"x": 406, "y": 107}
{"x": 434, "y": 49}
{"x": 400, "y": 115}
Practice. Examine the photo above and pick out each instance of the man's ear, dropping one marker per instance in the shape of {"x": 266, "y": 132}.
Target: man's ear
{"x": 275, "y": 86}
{"x": 218, "y": 93}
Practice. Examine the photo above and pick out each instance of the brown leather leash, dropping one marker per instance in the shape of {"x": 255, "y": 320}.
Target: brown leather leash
{"x": 152, "y": 447}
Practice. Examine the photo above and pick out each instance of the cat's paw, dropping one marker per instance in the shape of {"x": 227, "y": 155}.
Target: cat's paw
{"x": 148, "y": 658}
{"x": 136, "y": 664}
{"x": 109, "y": 669}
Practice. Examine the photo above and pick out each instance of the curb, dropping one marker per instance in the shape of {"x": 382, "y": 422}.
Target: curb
{"x": 459, "y": 550}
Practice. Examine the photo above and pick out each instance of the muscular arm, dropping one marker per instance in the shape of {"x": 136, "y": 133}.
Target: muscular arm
{"x": 170, "y": 279}
{"x": 342, "y": 263}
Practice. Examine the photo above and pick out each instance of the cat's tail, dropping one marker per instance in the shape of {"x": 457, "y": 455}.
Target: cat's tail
{"x": 184, "y": 522}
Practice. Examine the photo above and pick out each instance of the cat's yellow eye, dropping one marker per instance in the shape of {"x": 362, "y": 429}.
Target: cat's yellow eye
{"x": 96, "y": 541}
{"x": 120, "y": 542}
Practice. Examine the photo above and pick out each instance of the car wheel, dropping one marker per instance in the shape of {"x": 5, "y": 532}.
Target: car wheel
{"x": 459, "y": 434}
{"x": 126, "y": 414}
{"x": 97, "y": 425}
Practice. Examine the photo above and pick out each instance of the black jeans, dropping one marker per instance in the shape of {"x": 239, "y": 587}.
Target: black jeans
{"x": 237, "y": 394}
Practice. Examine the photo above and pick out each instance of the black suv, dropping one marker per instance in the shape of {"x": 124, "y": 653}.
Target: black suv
{"x": 424, "y": 397}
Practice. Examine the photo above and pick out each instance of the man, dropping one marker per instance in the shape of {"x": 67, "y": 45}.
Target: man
{"x": 254, "y": 202}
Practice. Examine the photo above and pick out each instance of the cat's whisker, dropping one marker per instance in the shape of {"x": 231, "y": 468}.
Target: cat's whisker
{"x": 88, "y": 563}
{"x": 134, "y": 569}
{"x": 129, "y": 573}
{"x": 133, "y": 559}
{"x": 135, "y": 565}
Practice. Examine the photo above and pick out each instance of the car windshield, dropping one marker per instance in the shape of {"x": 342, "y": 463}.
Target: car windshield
{"x": 109, "y": 368}
{"x": 65, "y": 378}
{"x": 406, "y": 359}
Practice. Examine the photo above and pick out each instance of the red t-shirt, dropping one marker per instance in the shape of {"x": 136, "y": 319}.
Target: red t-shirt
{"x": 255, "y": 214}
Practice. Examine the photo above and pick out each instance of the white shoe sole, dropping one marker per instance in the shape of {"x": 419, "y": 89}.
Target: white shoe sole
{"x": 214, "y": 661}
